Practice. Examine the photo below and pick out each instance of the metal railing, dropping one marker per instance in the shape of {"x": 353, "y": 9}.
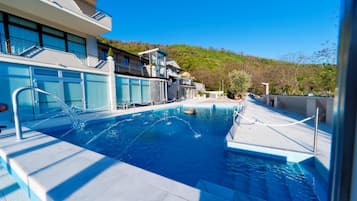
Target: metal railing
{"x": 134, "y": 69}
{"x": 238, "y": 115}
{"x": 97, "y": 15}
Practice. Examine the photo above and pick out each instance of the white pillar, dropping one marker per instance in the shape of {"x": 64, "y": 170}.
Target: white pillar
{"x": 166, "y": 91}
{"x": 112, "y": 85}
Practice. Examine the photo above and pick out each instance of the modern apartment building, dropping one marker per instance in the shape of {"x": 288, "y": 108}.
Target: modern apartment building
{"x": 52, "y": 45}
{"x": 137, "y": 80}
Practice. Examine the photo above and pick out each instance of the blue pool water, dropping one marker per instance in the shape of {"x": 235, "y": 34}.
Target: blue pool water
{"x": 191, "y": 149}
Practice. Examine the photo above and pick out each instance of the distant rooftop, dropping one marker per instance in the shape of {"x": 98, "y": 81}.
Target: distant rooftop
{"x": 173, "y": 63}
{"x": 154, "y": 50}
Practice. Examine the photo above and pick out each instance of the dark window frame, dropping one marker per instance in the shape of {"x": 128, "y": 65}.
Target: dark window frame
{"x": 39, "y": 31}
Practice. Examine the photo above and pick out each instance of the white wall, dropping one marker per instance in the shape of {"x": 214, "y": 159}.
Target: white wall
{"x": 304, "y": 105}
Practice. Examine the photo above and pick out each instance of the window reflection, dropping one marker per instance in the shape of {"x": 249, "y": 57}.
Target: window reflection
{"x": 21, "y": 39}
{"x": 53, "y": 42}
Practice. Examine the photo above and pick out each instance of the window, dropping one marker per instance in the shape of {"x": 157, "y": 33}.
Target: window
{"x": 73, "y": 94}
{"x": 52, "y": 31}
{"x": 53, "y": 42}
{"x": 21, "y": 39}
{"x": 22, "y": 22}
{"x": 53, "y": 39}
{"x": 126, "y": 61}
{"x": 103, "y": 54}
{"x": 77, "y": 46}
{"x": 24, "y": 34}
{"x": 2, "y": 35}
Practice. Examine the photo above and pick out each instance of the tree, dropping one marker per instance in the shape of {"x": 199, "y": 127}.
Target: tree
{"x": 327, "y": 55}
{"x": 239, "y": 82}
{"x": 110, "y": 52}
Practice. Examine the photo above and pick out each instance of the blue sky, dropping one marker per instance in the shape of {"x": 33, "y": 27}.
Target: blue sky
{"x": 262, "y": 28}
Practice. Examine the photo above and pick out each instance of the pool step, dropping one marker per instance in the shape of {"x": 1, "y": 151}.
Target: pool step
{"x": 257, "y": 180}
{"x": 276, "y": 187}
{"x": 299, "y": 187}
{"x": 320, "y": 184}
{"x": 273, "y": 183}
{"x": 224, "y": 192}
{"x": 9, "y": 189}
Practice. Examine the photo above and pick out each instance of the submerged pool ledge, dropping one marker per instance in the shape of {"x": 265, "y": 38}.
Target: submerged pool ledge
{"x": 51, "y": 169}
{"x": 266, "y": 152}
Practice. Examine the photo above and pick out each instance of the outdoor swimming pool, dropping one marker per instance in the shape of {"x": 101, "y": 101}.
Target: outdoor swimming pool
{"x": 191, "y": 149}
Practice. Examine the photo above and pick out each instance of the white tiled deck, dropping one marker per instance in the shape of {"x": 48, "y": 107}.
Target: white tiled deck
{"x": 293, "y": 142}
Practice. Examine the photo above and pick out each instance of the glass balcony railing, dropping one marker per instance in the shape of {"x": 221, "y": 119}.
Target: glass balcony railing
{"x": 28, "y": 48}
{"x": 131, "y": 69}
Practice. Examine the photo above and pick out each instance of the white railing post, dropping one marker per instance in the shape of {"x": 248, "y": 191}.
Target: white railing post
{"x": 112, "y": 84}
{"x": 316, "y": 129}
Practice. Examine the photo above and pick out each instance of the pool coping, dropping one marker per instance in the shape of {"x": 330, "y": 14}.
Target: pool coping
{"x": 265, "y": 151}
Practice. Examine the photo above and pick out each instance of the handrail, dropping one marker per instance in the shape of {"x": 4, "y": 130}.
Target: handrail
{"x": 15, "y": 96}
{"x": 256, "y": 121}
{"x": 238, "y": 113}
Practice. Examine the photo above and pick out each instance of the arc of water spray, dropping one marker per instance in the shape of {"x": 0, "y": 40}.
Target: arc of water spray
{"x": 73, "y": 116}
{"x": 196, "y": 134}
{"x": 107, "y": 129}
{"x": 47, "y": 119}
{"x": 84, "y": 123}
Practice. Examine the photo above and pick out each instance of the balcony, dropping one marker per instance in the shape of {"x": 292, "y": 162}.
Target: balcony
{"x": 172, "y": 73}
{"x": 62, "y": 14}
{"x": 131, "y": 69}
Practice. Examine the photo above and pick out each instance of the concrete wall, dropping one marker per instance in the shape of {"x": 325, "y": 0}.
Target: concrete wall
{"x": 199, "y": 86}
{"x": 85, "y": 7}
{"x": 303, "y": 105}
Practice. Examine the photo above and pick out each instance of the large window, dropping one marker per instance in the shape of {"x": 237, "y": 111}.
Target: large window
{"x": 23, "y": 34}
{"x": 126, "y": 61}
{"x": 145, "y": 91}
{"x": 77, "y": 46}
{"x": 103, "y": 54}
{"x": 2, "y": 35}
{"x": 53, "y": 39}
{"x": 22, "y": 39}
{"x": 122, "y": 90}
{"x": 135, "y": 91}
{"x": 73, "y": 94}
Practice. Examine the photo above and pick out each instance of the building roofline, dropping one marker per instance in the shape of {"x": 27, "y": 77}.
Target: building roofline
{"x": 173, "y": 63}
{"x": 154, "y": 50}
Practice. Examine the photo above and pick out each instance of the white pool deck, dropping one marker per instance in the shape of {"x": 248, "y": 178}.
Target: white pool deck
{"x": 51, "y": 169}
{"x": 295, "y": 142}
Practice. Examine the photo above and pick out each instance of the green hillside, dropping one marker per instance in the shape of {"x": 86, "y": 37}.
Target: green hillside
{"x": 211, "y": 66}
